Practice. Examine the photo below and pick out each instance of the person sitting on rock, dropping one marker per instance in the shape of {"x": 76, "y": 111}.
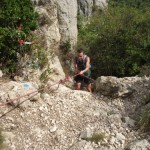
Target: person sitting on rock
{"x": 82, "y": 67}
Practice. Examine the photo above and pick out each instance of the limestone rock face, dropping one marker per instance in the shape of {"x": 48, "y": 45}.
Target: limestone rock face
{"x": 57, "y": 71}
{"x": 48, "y": 21}
{"x": 58, "y": 21}
{"x": 138, "y": 145}
{"x": 58, "y": 25}
{"x": 67, "y": 18}
{"x": 58, "y": 18}
{"x": 85, "y": 7}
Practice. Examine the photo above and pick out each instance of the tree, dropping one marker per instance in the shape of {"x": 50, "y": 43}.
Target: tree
{"x": 15, "y": 13}
{"x": 140, "y": 4}
{"x": 117, "y": 40}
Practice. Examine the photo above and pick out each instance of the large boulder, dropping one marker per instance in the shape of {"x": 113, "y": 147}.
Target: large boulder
{"x": 13, "y": 90}
{"x": 113, "y": 86}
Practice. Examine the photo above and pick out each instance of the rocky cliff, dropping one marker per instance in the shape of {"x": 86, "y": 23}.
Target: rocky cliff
{"x": 61, "y": 118}
{"x": 58, "y": 25}
{"x": 64, "y": 119}
{"x": 58, "y": 18}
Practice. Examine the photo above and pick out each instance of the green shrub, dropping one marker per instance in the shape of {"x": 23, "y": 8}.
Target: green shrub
{"x": 12, "y": 14}
{"x": 144, "y": 121}
{"x": 146, "y": 100}
{"x": 44, "y": 76}
{"x": 141, "y": 4}
{"x": 117, "y": 40}
{"x": 145, "y": 70}
{"x": 66, "y": 47}
{"x": 96, "y": 138}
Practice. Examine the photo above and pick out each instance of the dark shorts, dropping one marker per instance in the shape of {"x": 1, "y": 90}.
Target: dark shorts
{"x": 80, "y": 79}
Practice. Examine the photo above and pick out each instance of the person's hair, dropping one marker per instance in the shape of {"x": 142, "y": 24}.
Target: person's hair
{"x": 80, "y": 50}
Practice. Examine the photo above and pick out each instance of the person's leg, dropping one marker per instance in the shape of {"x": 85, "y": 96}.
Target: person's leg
{"x": 78, "y": 80}
{"x": 88, "y": 83}
{"x": 78, "y": 85}
{"x": 89, "y": 88}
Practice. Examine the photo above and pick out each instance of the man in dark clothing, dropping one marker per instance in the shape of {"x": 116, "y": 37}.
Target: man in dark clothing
{"x": 82, "y": 67}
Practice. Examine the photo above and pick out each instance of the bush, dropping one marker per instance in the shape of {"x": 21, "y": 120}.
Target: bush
{"x": 144, "y": 121}
{"x": 146, "y": 100}
{"x": 144, "y": 117}
{"x": 117, "y": 40}
{"x": 12, "y": 14}
{"x": 45, "y": 75}
{"x": 141, "y": 4}
{"x": 96, "y": 138}
{"x": 66, "y": 47}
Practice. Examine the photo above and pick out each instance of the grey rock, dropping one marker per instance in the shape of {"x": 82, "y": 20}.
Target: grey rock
{"x": 115, "y": 118}
{"x": 87, "y": 133}
{"x": 130, "y": 122}
{"x": 140, "y": 145}
{"x": 8, "y": 135}
{"x": 113, "y": 86}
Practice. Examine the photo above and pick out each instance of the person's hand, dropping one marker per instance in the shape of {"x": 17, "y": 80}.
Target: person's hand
{"x": 81, "y": 72}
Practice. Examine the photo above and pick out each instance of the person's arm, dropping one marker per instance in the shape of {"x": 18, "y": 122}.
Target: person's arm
{"x": 87, "y": 66}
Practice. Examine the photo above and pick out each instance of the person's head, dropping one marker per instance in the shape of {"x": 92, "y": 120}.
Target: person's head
{"x": 80, "y": 53}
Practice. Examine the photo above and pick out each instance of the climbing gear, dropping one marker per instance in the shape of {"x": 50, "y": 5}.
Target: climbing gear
{"x": 89, "y": 78}
{"x": 23, "y": 42}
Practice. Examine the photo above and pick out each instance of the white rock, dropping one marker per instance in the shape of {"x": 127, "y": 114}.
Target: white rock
{"x": 1, "y": 74}
{"x": 87, "y": 133}
{"x": 53, "y": 129}
{"x": 140, "y": 145}
{"x": 130, "y": 121}
{"x": 8, "y": 135}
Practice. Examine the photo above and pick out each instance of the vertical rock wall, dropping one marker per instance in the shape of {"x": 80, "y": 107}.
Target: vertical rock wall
{"x": 85, "y": 7}
{"x": 58, "y": 21}
{"x": 58, "y": 18}
{"x": 58, "y": 25}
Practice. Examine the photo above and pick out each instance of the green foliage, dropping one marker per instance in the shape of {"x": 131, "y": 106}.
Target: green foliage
{"x": 40, "y": 57}
{"x": 117, "y": 40}
{"x": 144, "y": 117}
{"x": 81, "y": 21}
{"x": 44, "y": 76}
{"x": 96, "y": 138}
{"x": 145, "y": 70}
{"x": 141, "y": 4}
{"x": 146, "y": 100}
{"x": 12, "y": 14}
{"x": 144, "y": 121}
{"x": 66, "y": 46}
